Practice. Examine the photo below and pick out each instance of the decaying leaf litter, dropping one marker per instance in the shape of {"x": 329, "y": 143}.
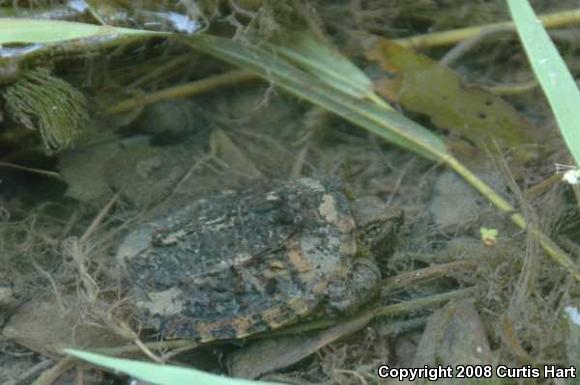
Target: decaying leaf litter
{"x": 57, "y": 249}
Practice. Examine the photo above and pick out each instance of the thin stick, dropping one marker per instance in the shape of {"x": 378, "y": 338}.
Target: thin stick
{"x": 98, "y": 219}
{"x": 549, "y": 246}
{"x": 467, "y": 45}
{"x": 398, "y": 309}
{"x": 184, "y": 90}
{"x": 423, "y": 303}
{"x": 438, "y": 39}
{"x": 50, "y": 174}
{"x": 410, "y": 278}
{"x": 49, "y": 376}
{"x": 511, "y": 88}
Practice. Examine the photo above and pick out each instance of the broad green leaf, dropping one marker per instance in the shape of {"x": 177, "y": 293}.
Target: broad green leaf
{"x": 423, "y": 85}
{"x": 160, "y": 374}
{"x": 555, "y": 79}
{"x": 32, "y": 31}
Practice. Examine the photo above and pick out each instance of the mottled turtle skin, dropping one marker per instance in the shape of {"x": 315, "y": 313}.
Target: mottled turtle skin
{"x": 248, "y": 261}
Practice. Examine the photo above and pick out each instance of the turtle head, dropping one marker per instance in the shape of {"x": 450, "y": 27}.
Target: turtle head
{"x": 377, "y": 226}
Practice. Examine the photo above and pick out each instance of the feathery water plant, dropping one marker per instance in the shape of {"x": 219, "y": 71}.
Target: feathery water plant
{"x": 50, "y": 105}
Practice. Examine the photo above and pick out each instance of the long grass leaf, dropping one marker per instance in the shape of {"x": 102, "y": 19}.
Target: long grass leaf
{"x": 321, "y": 60}
{"x": 32, "y": 31}
{"x": 391, "y": 126}
{"x": 160, "y": 374}
{"x": 552, "y": 73}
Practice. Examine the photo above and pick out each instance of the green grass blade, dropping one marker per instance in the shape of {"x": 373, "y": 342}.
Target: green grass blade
{"x": 160, "y": 374}
{"x": 389, "y": 125}
{"x": 322, "y": 61}
{"x": 32, "y": 31}
{"x": 552, "y": 73}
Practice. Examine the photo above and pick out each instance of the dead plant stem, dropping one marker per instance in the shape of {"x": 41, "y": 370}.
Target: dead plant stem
{"x": 438, "y": 39}
{"x": 98, "y": 220}
{"x": 50, "y": 174}
{"x": 553, "y": 250}
{"x": 134, "y": 349}
{"x": 412, "y": 278}
{"x": 184, "y": 90}
{"x": 398, "y": 309}
{"x": 425, "y": 302}
{"x": 49, "y": 376}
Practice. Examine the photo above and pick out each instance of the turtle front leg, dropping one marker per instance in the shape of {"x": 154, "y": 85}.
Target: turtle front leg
{"x": 360, "y": 285}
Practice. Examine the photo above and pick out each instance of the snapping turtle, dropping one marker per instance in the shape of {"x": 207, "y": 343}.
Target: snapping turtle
{"x": 248, "y": 261}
